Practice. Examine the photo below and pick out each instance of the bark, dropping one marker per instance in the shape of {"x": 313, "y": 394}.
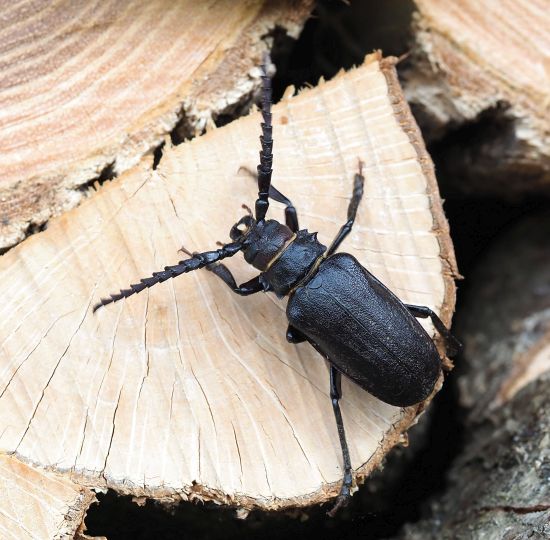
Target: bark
{"x": 86, "y": 91}
{"x": 188, "y": 391}
{"x": 499, "y": 487}
{"x": 479, "y": 84}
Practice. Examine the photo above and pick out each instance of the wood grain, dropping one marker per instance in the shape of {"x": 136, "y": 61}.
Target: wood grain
{"x": 90, "y": 85}
{"x": 486, "y": 64}
{"x": 35, "y": 504}
{"x": 188, "y": 390}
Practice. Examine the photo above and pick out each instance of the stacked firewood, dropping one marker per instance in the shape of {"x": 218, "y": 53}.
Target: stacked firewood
{"x": 111, "y": 153}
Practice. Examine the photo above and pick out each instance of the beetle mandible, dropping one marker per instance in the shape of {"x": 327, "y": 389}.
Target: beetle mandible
{"x": 352, "y": 319}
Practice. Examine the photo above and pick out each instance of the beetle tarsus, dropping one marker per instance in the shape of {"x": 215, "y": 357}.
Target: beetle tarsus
{"x": 341, "y": 502}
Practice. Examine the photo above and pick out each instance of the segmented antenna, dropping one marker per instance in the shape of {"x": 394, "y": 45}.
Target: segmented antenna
{"x": 197, "y": 261}
{"x": 266, "y": 140}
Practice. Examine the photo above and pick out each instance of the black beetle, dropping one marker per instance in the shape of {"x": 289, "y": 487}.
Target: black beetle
{"x": 349, "y": 316}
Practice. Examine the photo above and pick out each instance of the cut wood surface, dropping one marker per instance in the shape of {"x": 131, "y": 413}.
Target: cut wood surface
{"x": 486, "y": 62}
{"x": 188, "y": 390}
{"x": 36, "y": 504}
{"x": 498, "y": 487}
{"x": 93, "y": 86}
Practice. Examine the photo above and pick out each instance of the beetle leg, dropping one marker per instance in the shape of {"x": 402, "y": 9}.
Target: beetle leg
{"x": 358, "y": 182}
{"x": 335, "y": 395}
{"x": 291, "y": 216}
{"x": 423, "y": 312}
{"x": 252, "y": 286}
{"x": 293, "y": 335}
{"x": 245, "y": 289}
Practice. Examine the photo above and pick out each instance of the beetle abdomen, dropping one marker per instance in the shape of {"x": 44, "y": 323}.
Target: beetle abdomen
{"x": 362, "y": 328}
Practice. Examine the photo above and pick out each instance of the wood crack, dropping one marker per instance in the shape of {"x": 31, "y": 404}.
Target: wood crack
{"x": 52, "y": 375}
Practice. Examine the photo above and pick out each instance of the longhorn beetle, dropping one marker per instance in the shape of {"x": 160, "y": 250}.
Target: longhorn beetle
{"x": 341, "y": 309}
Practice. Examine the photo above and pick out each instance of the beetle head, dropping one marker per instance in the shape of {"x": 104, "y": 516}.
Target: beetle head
{"x": 263, "y": 242}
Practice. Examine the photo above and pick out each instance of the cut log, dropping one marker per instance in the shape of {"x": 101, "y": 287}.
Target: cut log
{"x": 35, "y": 504}
{"x": 500, "y": 480}
{"x": 91, "y": 88}
{"x": 187, "y": 390}
{"x": 485, "y": 63}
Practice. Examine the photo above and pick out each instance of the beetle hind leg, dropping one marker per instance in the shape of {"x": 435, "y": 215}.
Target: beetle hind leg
{"x": 423, "y": 312}
{"x": 335, "y": 395}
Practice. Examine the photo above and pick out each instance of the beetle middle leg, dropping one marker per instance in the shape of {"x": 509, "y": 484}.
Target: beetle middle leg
{"x": 423, "y": 312}
{"x": 356, "y": 197}
{"x": 335, "y": 395}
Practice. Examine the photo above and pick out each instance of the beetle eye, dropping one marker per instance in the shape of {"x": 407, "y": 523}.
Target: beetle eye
{"x": 241, "y": 228}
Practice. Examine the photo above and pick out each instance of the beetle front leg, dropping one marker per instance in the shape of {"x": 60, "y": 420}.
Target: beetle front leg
{"x": 252, "y": 286}
{"x": 356, "y": 197}
{"x": 335, "y": 395}
{"x": 423, "y": 312}
{"x": 245, "y": 289}
{"x": 291, "y": 216}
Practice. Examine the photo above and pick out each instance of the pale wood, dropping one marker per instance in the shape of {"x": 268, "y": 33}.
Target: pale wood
{"x": 36, "y": 504}
{"x": 85, "y": 86}
{"x": 489, "y": 62}
{"x": 189, "y": 390}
